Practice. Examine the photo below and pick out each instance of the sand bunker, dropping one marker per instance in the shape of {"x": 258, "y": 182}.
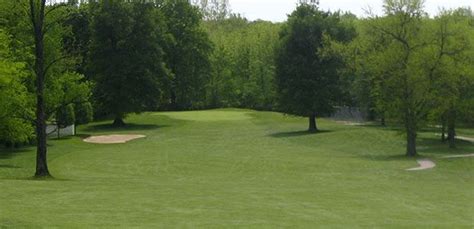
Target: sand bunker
{"x": 113, "y": 139}
{"x": 424, "y": 164}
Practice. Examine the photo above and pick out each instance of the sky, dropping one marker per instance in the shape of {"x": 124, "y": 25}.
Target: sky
{"x": 276, "y": 10}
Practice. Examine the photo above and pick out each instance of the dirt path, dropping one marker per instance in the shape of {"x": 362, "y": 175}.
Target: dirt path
{"x": 465, "y": 139}
{"x": 350, "y": 123}
{"x": 468, "y": 139}
{"x": 459, "y": 156}
{"x": 424, "y": 164}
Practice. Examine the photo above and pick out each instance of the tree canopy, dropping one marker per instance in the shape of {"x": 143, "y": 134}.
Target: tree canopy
{"x": 308, "y": 76}
{"x": 127, "y": 57}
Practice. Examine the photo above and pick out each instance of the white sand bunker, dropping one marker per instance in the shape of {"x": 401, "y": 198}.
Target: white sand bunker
{"x": 424, "y": 164}
{"x": 113, "y": 139}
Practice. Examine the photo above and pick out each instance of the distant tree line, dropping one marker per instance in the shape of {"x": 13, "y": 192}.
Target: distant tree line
{"x": 66, "y": 62}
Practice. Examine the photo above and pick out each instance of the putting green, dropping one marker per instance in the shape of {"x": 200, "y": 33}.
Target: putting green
{"x": 209, "y": 116}
{"x": 248, "y": 169}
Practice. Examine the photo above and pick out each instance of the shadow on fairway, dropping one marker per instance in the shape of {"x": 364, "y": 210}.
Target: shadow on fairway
{"x": 35, "y": 179}
{"x": 6, "y": 154}
{"x": 9, "y": 167}
{"x": 435, "y": 146}
{"x": 397, "y": 157}
{"x": 65, "y": 138}
{"x": 9, "y": 153}
{"x": 436, "y": 142}
{"x": 297, "y": 133}
{"x": 127, "y": 127}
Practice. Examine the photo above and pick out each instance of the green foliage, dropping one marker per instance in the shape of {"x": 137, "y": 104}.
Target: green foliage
{"x": 76, "y": 42}
{"x": 367, "y": 62}
{"x": 243, "y": 63}
{"x": 68, "y": 88}
{"x": 14, "y": 21}
{"x": 127, "y": 59}
{"x": 84, "y": 113}
{"x": 65, "y": 116}
{"x": 63, "y": 88}
{"x": 307, "y": 71}
{"x": 401, "y": 87}
{"x": 187, "y": 55}
{"x": 15, "y": 104}
{"x": 449, "y": 63}
{"x": 413, "y": 69}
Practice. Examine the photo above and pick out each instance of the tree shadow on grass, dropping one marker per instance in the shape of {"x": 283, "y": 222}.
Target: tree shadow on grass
{"x": 9, "y": 153}
{"x": 36, "y": 179}
{"x": 9, "y": 167}
{"x": 435, "y": 146}
{"x": 65, "y": 138}
{"x": 392, "y": 157}
{"x": 6, "y": 154}
{"x": 298, "y": 133}
{"x": 127, "y": 127}
{"x": 380, "y": 127}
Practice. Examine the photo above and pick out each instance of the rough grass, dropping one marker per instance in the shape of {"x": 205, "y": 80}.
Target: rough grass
{"x": 238, "y": 168}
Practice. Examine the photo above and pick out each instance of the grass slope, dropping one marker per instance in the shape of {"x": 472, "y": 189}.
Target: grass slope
{"x": 238, "y": 168}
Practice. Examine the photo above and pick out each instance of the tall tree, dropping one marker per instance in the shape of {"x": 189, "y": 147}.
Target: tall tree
{"x": 37, "y": 39}
{"x": 307, "y": 73}
{"x": 45, "y": 19}
{"x": 448, "y": 63}
{"x": 401, "y": 30}
{"x": 37, "y": 15}
{"x": 128, "y": 59}
{"x": 188, "y": 55}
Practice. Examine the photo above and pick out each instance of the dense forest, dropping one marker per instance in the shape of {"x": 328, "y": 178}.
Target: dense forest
{"x": 69, "y": 63}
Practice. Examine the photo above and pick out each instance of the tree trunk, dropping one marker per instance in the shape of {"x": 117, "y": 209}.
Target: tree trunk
{"x": 382, "y": 121}
{"x": 410, "y": 127}
{"x": 312, "y": 124}
{"x": 41, "y": 147}
{"x": 118, "y": 122}
{"x": 411, "y": 144}
{"x": 452, "y": 129}
{"x": 37, "y": 18}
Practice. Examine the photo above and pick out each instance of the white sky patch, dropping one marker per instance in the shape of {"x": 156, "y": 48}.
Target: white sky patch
{"x": 277, "y": 10}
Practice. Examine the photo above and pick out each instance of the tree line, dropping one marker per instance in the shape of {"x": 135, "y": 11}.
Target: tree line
{"x": 68, "y": 62}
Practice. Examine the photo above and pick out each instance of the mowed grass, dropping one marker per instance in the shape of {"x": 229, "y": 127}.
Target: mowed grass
{"x": 238, "y": 168}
